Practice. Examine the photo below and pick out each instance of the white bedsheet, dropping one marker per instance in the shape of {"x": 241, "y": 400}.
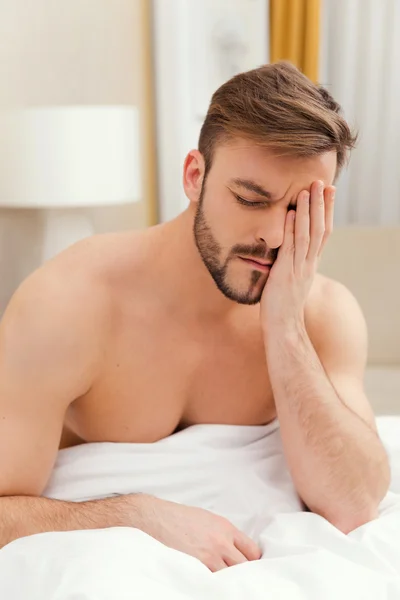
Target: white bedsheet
{"x": 238, "y": 472}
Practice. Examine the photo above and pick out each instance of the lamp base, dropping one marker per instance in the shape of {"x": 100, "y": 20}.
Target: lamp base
{"x": 62, "y": 228}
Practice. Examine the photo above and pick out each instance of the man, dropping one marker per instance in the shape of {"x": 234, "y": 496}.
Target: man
{"x": 216, "y": 317}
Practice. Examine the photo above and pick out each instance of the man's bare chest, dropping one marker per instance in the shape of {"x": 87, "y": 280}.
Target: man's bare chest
{"x": 151, "y": 387}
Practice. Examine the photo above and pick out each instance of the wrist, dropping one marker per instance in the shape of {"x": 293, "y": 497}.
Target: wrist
{"x": 284, "y": 326}
{"x": 131, "y": 510}
{"x": 290, "y": 335}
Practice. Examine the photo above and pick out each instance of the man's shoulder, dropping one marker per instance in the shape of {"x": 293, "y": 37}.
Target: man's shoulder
{"x": 82, "y": 279}
{"x": 332, "y": 309}
{"x": 100, "y": 256}
{"x": 328, "y": 294}
{"x": 323, "y": 285}
{"x": 100, "y": 262}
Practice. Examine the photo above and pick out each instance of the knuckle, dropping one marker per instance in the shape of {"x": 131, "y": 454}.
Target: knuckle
{"x": 219, "y": 546}
{"x": 217, "y": 542}
{"x": 225, "y": 523}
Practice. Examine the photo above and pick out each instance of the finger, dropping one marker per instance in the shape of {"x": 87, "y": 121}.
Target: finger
{"x": 216, "y": 564}
{"x": 329, "y": 210}
{"x": 233, "y": 556}
{"x": 302, "y": 229}
{"x": 247, "y": 547}
{"x": 288, "y": 238}
{"x": 317, "y": 218}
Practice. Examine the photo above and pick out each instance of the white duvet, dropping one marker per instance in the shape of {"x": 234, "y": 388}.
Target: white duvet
{"x": 238, "y": 472}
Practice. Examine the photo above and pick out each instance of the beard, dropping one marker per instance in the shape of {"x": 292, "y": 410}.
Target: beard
{"x": 210, "y": 252}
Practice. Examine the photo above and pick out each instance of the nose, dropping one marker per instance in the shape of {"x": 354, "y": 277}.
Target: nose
{"x": 272, "y": 227}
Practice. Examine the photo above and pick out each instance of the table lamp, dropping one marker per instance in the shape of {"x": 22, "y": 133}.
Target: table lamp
{"x": 66, "y": 158}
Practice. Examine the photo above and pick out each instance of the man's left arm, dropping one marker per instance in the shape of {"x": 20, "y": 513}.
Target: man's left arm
{"x": 336, "y": 458}
{"x": 337, "y": 461}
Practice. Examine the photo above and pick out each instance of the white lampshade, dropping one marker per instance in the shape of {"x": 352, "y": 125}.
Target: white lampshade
{"x": 69, "y": 156}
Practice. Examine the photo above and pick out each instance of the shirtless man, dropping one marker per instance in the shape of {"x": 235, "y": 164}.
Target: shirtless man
{"x": 215, "y": 317}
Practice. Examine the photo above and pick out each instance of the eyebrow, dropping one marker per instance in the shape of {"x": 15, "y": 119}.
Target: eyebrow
{"x": 252, "y": 186}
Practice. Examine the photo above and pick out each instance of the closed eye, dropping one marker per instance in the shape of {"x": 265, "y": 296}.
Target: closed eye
{"x": 249, "y": 203}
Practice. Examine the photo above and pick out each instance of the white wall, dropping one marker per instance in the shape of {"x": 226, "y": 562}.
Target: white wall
{"x": 74, "y": 52}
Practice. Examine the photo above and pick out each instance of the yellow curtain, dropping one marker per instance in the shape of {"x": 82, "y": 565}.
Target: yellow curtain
{"x": 294, "y": 34}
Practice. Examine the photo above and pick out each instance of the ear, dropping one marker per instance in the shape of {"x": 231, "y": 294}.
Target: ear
{"x": 193, "y": 175}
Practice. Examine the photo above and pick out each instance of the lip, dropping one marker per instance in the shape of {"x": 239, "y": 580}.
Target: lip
{"x": 256, "y": 264}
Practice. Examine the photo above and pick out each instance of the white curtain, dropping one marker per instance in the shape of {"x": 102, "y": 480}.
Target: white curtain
{"x": 360, "y": 65}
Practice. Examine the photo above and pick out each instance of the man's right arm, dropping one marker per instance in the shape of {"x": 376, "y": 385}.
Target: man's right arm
{"x": 21, "y": 516}
{"x": 51, "y": 338}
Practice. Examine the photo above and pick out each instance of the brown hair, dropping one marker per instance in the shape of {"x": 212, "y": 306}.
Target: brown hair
{"x": 280, "y": 108}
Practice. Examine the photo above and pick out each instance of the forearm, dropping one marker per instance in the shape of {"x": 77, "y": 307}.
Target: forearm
{"x": 21, "y": 516}
{"x": 337, "y": 461}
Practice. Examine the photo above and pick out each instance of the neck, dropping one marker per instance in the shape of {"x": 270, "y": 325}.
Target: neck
{"x": 185, "y": 276}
